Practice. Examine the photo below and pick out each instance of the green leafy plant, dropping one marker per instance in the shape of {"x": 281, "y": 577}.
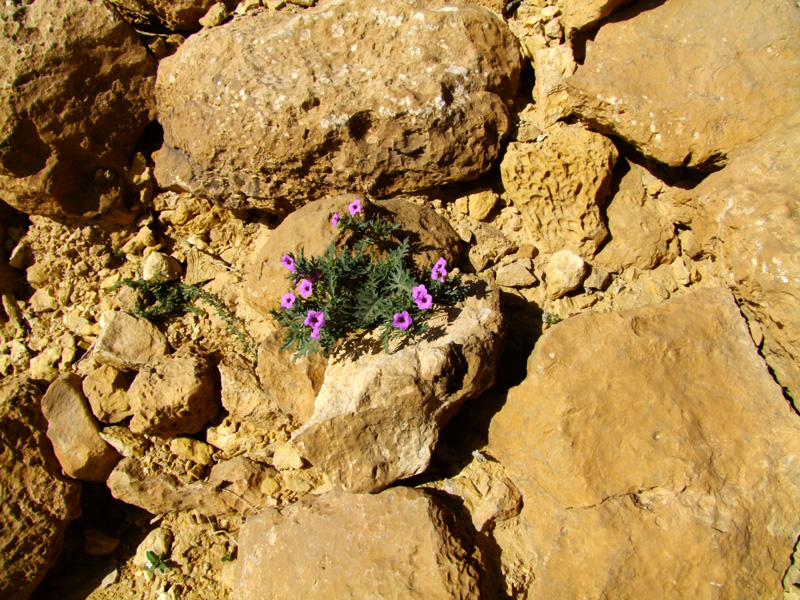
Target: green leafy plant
{"x": 359, "y": 288}
{"x": 155, "y": 562}
{"x": 165, "y": 299}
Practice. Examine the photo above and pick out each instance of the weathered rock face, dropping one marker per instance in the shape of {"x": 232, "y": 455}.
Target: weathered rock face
{"x": 77, "y": 92}
{"x": 74, "y": 432}
{"x": 653, "y": 450}
{"x": 174, "y": 394}
{"x": 687, "y": 82}
{"x": 105, "y": 389}
{"x": 582, "y": 14}
{"x": 749, "y": 219}
{"x": 377, "y": 417}
{"x": 181, "y": 15}
{"x": 559, "y": 185}
{"x": 424, "y": 101}
{"x": 245, "y": 398}
{"x": 36, "y": 503}
{"x": 396, "y": 544}
{"x": 642, "y": 234}
{"x": 127, "y": 342}
{"x": 310, "y": 229}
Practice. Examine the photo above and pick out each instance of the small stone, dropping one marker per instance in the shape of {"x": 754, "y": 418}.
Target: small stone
{"x": 109, "y": 579}
{"x": 689, "y": 244}
{"x": 269, "y": 487}
{"x": 462, "y": 205}
{"x": 563, "y": 273}
{"x": 38, "y": 275}
{"x": 127, "y": 342}
{"x": 516, "y": 274}
{"x": 124, "y": 441}
{"x": 481, "y": 204}
{"x": 297, "y": 482}
{"x": 158, "y": 541}
{"x": 144, "y": 238}
{"x": 216, "y": 15}
{"x": 43, "y": 300}
{"x": 193, "y": 450}
{"x": 105, "y": 388}
{"x": 98, "y": 543}
{"x": 682, "y": 274}
{"x": 159, "y": 267}
{"x": 286, "y": 457}
{"x": 306, "y": 3}
{"x": 598, "y": 278}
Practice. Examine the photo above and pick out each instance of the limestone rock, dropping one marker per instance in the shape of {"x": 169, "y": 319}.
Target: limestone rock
{"x": 158, "y": 267}
{"x": 158, "y": 541}
{"x": 105, "y": 388}
{"x": 518, "y": 273}
{"x": 72, "y": 429}
{"x": 553, "y": 66}
{"x": 564, "y": 272}
{"x": 216, "y": 15}
{"x": 749, "y": 220}
{"x": 396, "y": 544}
{"x": 245, "y": 398}
{"x": 124, "y": 441}
{"x": 481, "y": 204}
{"x": 310, "y": 229}
{"x": 183, "y": 15}
{"x": 653, "y": 450}
{"x": 582, "y": 14}
{"x": 686, "y": 82}
{"x": 173, "y": 395}
{"x": 559, "y": 185}
{"x": 425, "y": 101}
{"x": 289, "y": 384}
{"x": 377, "y": 416}
{"x": 127, "y": 342}
{"x": 642, "y": 234}
{"x": 37, "y": 502}
{"x": 77, "y": 92}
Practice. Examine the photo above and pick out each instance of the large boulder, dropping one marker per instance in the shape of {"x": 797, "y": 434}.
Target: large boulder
{"x": 76, "y": 92}
{"x": 687, "y": 81}
{"x": 182, "y": 15}
{"x": 36, "y": 502}
{"x": 654, "y": 451}
{"x": 309, "y": 229}
{"x": 369, "y": 96}
{"x": 397, "y": 544}
{"x": 559, "y": 185}
{"x": 74, "y": 432}
{"x": 748, "y": 218}
{"x": 378, "y": 416}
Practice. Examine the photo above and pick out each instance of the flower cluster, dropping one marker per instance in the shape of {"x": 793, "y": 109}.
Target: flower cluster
{"x": 353, "y": 290}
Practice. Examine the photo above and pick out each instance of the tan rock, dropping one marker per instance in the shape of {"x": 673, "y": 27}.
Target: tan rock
{"x": 127, "y": 342}
{"x": 105, "y": 388}
{"x": 377, "y": 416}
{"x": 59, "y": 156}
{"x": 481, "y": 204}
{"x": 216, "y": 15}
{"x": 642, "y": 235}
{"x": 582, "y": 14}
{"x": 653, "y": 450}
{"x": 425, "y": 102}
{"x": 553, "y": 66}
{"x": 748, "y": 219}
{"x": 173, "y": 395}
{"x": 241, "y": 484}
{"x": 159, "y": 267}
{"x": 687, "y": 82}
{"x": 559, "y": 185}
{"x": 37, "y": 502}
{"x": 518, "y": 273}
{"x": 310, "y": 229}
{"x": 72, "y": 429}
{"x": 286, "y": 457}
{"x": 396, "y": 544}
{"x": 180, "y": 15}
{"x": 124, "y": 441}
{"x": 193, "y": 450}
{"x": 564, "y": 271}
{"x": 247, "y": 399}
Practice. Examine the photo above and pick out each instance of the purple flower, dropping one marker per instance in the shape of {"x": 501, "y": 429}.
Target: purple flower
{"x": 335, "y": 220}
{"x": 287, "y": 300}
{"x": 424, "y": 301}
{"x": 439, "y": 271}
{"x": 402, "y": 320}
{"x": 316, "y": 320}
{"x": 315, "y": 332}
{"x": 304, "y": 287}
{"x": 288, "y": 262}
{"x": 418, "y": 291}
{"x": 355, "y": 206}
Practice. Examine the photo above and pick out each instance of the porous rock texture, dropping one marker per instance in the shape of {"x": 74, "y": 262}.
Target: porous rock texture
{"x": 174, "y": 394}
{"x": 309, "y": 229}
{"x": 559, "y": 185}
{"x": 182, "y": 15}
{"x": 76, "y": 92}
{"x": 369, "y": 96}
{"x": 582, "y": 14}
{"x": 127, "y": 342}
{"x": 398, "y": 544}
{"x": 378, "y": 416}
{"x": 74, "y": 432}
{"x": 748, "y": 217}
{"x": 688, "y": 81}
{"x": 654, "y": 451}
{"x": 36, "y": 502}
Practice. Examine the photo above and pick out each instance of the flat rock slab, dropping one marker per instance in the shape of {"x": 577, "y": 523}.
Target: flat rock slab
{"x": 687, "y": 81}
{"x": 127, "y": 342}
{"x": 76, "y": 92}
{"x": 398, "y": 544}
{"x": 37, "y": 501}
{"x": 378, "y": 416}
{"x": 653, "y": 450}
{"x": 368, "y": 96}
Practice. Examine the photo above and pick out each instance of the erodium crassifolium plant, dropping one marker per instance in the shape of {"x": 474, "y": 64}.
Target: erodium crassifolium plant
{"x": 355, "y": 290}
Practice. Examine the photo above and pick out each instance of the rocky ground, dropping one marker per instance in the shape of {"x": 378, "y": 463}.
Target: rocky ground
{"x": 614, "y": 413}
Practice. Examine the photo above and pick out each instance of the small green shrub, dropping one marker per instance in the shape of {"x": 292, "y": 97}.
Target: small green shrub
{"x": 360, "y": 288}
{"x": 155, "y": 562}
